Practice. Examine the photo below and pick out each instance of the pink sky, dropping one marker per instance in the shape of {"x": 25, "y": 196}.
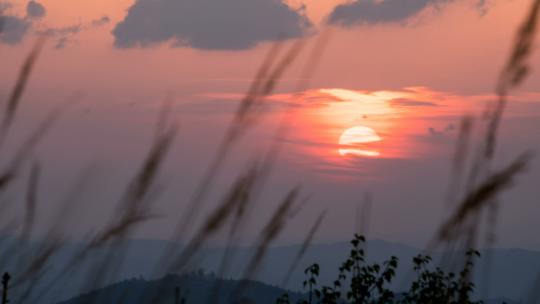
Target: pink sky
{"x": 453, "y": 49}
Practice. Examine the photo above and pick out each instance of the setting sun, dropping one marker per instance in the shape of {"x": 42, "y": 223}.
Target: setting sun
{"x": 353, "y": 141}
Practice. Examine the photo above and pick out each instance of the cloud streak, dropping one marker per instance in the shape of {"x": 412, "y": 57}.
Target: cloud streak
{"x": 404, "y": 102}
{"x": 13, "y": 28}
{"x": 209, "y": 24}
{"x": 65, "y": 35}
{"x": 366, "y": 12}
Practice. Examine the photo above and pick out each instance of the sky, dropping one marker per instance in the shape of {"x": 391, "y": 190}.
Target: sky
{"x": 373, "y": 105}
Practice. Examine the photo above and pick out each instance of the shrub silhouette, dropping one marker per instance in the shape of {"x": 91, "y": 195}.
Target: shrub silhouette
{"x": 361, "y": 282}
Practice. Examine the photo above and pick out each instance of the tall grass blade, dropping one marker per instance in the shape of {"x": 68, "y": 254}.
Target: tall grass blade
{"x": 305, "y": 245}
{"x": 17, "y": 92}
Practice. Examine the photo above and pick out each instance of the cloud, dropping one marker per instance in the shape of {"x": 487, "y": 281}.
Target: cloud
{"x": 62, "y": 35}
{"x": 65, "y": 35}
{"x": 434, "y": 133}
{"x": 362, "y": 12}
{"x": 101, "y": 21}
{"x": 209, "y": 24}
{"x": 61, "y": 43}
{"x": 13, "y": 29}
{"x": 63, "y": 31}
{"x": 403, "y": 102}
{"x": 35, "y": 10}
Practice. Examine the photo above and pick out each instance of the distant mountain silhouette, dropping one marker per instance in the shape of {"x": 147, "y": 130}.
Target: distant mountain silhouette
{"x": 512, "y": 272}
{"x": 194, "y": 288}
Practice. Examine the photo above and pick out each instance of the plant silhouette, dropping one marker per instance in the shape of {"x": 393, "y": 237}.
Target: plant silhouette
{"x": 359, "y": 282}
{"x": 5, "y": 285}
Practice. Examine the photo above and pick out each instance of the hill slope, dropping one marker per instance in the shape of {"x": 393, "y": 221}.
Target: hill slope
{"x": 193, "y": 288}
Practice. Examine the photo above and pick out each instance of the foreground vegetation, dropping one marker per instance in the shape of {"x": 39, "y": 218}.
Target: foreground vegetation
{"x": 358, "y": 281}
{"x": 361, "y": 282}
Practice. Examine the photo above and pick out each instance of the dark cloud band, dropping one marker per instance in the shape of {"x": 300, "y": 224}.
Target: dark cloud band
{"x": 209, "y": 24}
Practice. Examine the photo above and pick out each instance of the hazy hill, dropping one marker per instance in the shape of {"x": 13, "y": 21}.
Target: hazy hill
{"x": 194, "y": 288}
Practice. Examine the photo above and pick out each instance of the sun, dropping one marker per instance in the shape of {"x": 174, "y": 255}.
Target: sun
{"x": 355, "y": 142}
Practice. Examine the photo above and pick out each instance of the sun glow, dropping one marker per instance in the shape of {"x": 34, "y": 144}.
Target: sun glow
{"x": 355, "y": 142}
{"x": 337, "y": 126}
